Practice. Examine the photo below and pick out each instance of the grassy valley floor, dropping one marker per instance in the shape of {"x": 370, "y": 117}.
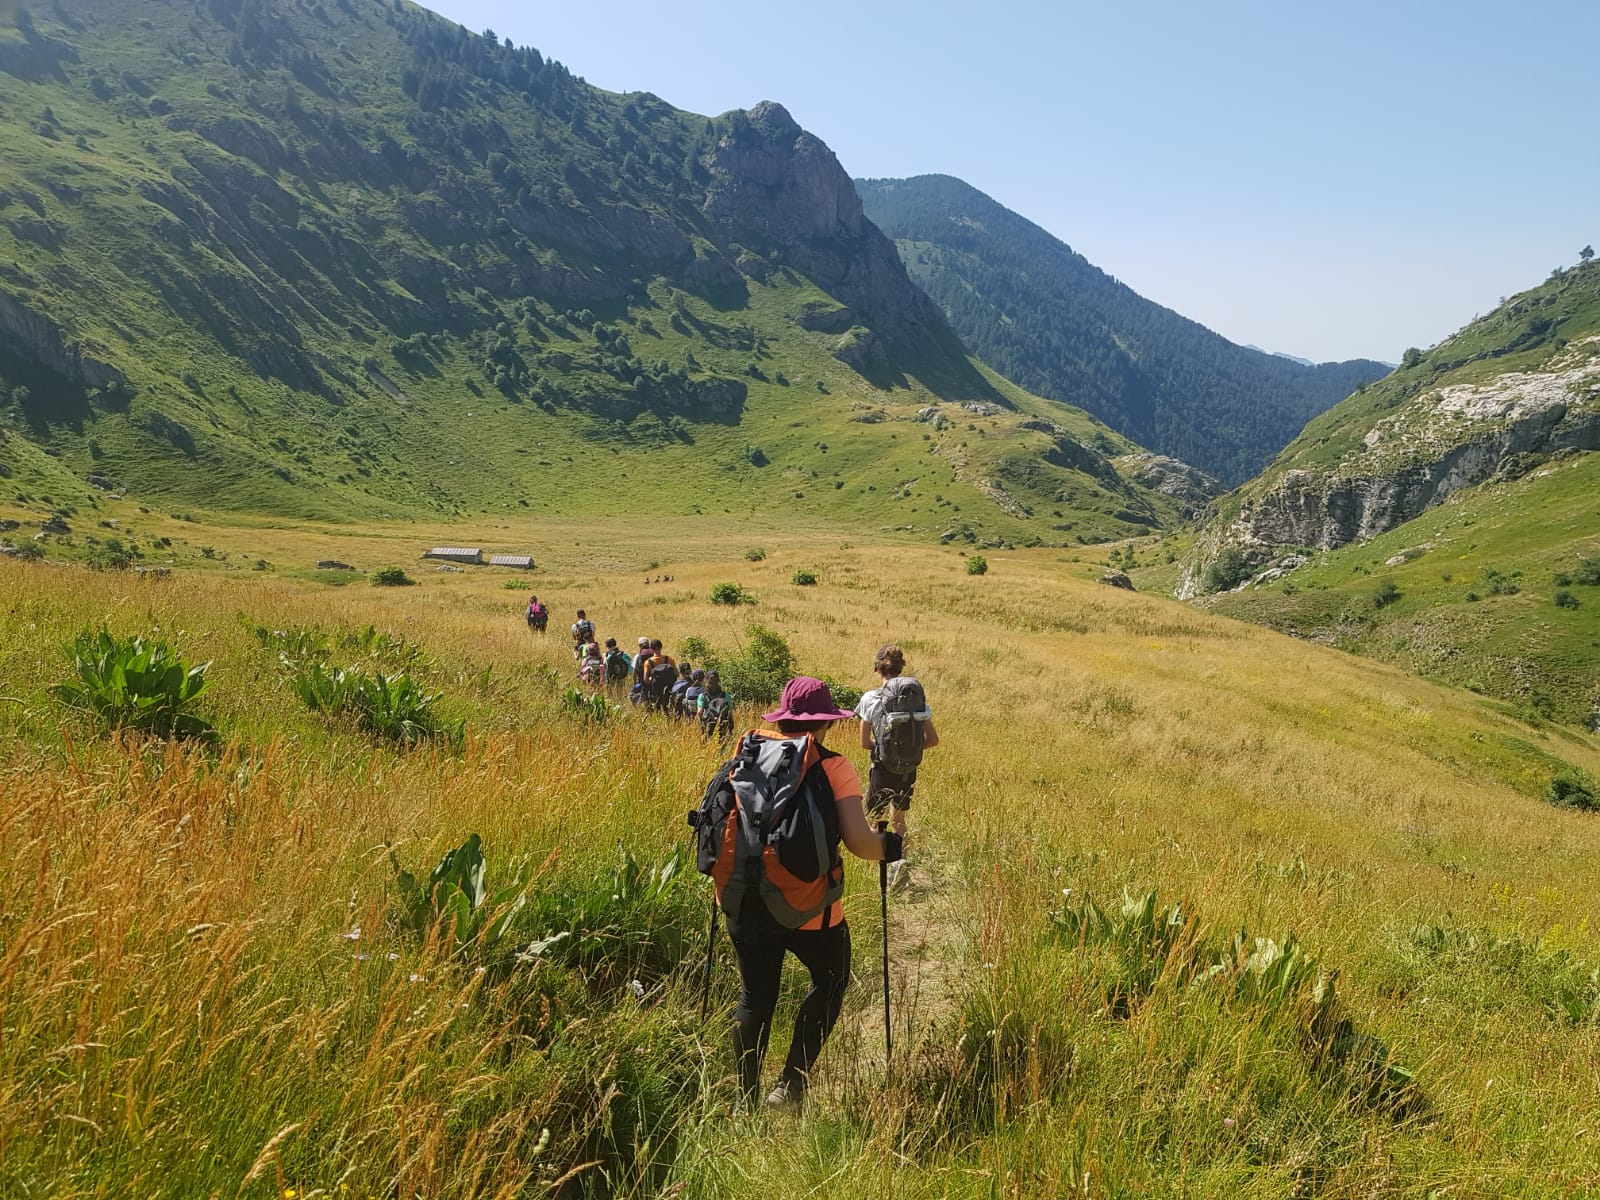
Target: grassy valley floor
{"x": 210, "y": 983}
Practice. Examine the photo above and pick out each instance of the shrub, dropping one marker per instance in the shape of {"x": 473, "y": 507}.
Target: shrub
{"x": 755, "y": 554}
{"x": 1587, "y": 571}
{"x": 730, "y": 594}
{"x": 1561, "y": 579}
{"x": 696, "y": 649}
{"x": 1565, "y": 599}
{"x": 111, "y": 555}
{"x": 757, "y": 671}
{"x": 977, "y": 564}
{"x": 1568, "y": 791}
{"x": 1385, "y": 594}
{"x": 391, "y": 577}
{"x": 1227, "y": 571}
{"x": 804, "y": 579}
{"x": 1501, "y": 583}
{"x": 134, "y": 683}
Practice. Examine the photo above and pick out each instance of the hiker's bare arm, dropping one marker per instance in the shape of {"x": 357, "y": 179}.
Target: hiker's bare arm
{"x": 857, "y": 834}
{"x": 930, "y": 735}
{"x": 866, "y": 735}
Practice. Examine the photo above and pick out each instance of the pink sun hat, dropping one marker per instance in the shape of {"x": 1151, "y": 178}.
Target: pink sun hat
{"x": 807, "y": 699}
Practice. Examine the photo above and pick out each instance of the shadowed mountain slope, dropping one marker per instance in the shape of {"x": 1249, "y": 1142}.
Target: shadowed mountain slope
{"x": 1061, "y": 327}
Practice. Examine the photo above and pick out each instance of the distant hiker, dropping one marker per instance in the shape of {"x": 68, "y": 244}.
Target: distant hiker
{"x": 679, "y": 687}
{"x": 715, "y": 709}
{"x": 582, "y": 633}
{"x": 689, "y": 702}
{"x": 807, "y": 799}
{"x": 538, "y": 615}
{"x": 592, "y": 668}
{"x": 660, "y": 673}
{"x": 896, "y": 726}
{"x": 618, "y": 665}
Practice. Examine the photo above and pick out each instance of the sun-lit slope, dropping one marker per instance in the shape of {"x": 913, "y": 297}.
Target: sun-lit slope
{"x": 354, "y": 261}
{"x": 1495, "y": 591}
{"x": 1091, "y": 740}
{"x": 1489, "y": 404}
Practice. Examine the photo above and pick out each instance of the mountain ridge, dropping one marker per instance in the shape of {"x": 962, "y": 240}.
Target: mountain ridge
{"x": 354, "y": 261}
{"x": 1063, "y": 328}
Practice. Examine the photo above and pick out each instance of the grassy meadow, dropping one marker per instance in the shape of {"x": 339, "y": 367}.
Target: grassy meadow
{"x": 211, "y": 984}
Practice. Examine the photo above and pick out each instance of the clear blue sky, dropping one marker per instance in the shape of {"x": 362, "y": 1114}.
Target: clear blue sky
{"x": 1333, "y": 180}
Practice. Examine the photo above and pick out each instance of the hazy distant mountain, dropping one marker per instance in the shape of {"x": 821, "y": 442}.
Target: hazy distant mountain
{"x": 1059, "y": 326}
{"x": 1294, "y": 358}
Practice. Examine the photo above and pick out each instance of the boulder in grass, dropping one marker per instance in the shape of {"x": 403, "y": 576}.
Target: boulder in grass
{"x": 1118, "y": 579}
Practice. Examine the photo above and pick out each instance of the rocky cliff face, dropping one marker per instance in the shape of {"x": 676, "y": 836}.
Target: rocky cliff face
{"x": 1448, "y": 438}
{"x": 34, "y": 337}
{"x": 776, "y": 186}
{"x": 1189, "y": 485}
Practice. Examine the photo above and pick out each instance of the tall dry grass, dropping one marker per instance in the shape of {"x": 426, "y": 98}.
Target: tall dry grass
{"x": 186, "y": 1014}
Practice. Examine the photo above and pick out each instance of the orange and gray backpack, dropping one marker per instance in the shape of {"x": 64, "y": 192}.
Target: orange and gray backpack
{"x": 767, "y": 831}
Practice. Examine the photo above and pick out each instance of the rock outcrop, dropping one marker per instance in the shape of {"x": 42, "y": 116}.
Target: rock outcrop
{"x": 775, "y": 185}
{"x": 1444, "y": 440}
{"x": 1192, "y": 487}
{"x": 35, "y": 337}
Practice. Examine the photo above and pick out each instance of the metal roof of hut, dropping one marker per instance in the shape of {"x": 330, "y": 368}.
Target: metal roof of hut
{"x": 456, "y": 553}
{"x": 524, "y": 561}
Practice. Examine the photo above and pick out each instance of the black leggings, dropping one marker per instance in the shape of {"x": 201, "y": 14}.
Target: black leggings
{"x": 760, "y": 946}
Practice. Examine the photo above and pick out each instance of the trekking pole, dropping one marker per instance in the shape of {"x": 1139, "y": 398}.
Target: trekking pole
{"x": 883, "y": 906}
{"x": 711, "y": 943}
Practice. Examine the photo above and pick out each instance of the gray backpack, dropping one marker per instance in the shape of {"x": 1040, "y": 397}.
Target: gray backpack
{"x": 896, "y": 730}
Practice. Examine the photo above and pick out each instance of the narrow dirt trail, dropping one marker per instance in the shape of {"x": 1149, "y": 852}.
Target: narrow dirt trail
{"x": 927, "y": 942}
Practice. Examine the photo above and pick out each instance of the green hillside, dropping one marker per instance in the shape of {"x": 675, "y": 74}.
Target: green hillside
{"x": 350, "y": 261}
{"x": 1444, "y": 518}
{"x": 1546, "y": 328}
{"x": 1061, "y": 327}
{"x": 1498, "y": 591}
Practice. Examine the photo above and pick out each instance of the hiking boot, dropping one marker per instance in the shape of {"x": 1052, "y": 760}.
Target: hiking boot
{"x": 900, "y": 875}
{"x": 787, "y": 1097}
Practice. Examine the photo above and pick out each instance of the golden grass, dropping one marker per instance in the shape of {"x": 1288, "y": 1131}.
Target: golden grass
{"x": 174, "y": 966}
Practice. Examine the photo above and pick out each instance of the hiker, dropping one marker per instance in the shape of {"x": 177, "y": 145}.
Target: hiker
{"x": 689, "y": 702}
{"x": 592, "y": 668}
{"x": 618, "y": 664}
{"x": 798, "y": 912}
{"x": 582, "y": 633}
{"x": 896, "y": 726}
{"x": 715, "y": 709}
{"x": 660, "y": 673}
{"x": 538, "y": 615}
{"x": 679, "y": 687}
{"x": 640, "y": 657}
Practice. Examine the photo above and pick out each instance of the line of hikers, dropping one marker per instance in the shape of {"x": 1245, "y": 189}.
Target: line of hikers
{"x": 769, "y": 827}
{"x": 768, "y": 832}
{"x": 653, "y": 679}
